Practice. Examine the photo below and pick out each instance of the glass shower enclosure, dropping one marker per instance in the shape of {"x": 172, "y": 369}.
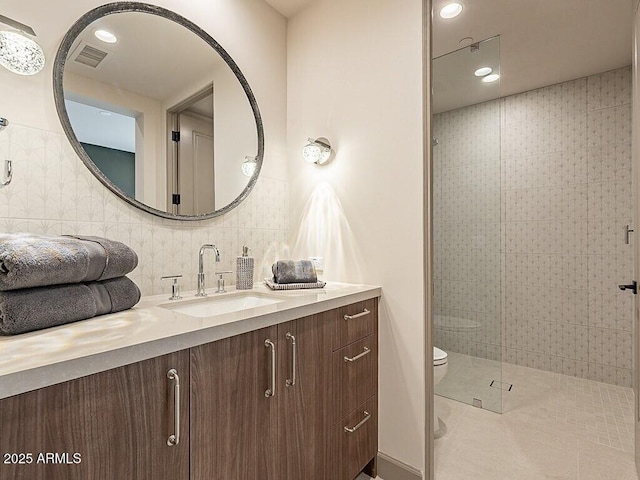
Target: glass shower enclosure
{"x": 467, "y": 223}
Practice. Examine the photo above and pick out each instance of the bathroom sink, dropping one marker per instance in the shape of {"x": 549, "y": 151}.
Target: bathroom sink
{"x": 221, "y": 304}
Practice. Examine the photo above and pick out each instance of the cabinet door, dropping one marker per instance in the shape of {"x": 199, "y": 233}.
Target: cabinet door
{"x": 305, "y": 405}
{"x": 234, "y": 429}
{"x": 111, "y": 425}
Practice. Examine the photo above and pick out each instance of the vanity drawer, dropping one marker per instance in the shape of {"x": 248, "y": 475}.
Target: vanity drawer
{"x": 355, "y": 370}
{"x": 354, "y": 441}
{"x": 356, "y": 321}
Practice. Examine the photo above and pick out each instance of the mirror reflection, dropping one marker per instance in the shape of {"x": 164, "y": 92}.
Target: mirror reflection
{"x": 160, "y": 113}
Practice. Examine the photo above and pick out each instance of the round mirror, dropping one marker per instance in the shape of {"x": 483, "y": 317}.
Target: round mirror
{"x": 158, "y": 111}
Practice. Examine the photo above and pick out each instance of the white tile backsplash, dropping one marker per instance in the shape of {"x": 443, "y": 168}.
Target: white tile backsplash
{"x": 556, "y": 180}
{"x": 53, "y": 192}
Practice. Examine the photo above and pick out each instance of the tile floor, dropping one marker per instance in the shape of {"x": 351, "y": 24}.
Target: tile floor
{"x": 553, "y": 427}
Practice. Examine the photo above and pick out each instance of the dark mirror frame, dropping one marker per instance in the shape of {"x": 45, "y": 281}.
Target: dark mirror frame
{"x": 58, "y": 91}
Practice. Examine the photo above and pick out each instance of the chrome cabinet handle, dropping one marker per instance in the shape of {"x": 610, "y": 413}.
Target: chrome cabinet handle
{"x": 358, "y": 315}
{"x": 367, "y": 416}
{"x": 175, "y": 438}
{"x": 366, "y": 351}
{"x": 290, "y": 382}
{"x": 270, "y": 392}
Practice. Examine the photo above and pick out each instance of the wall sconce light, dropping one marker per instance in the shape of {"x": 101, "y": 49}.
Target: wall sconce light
{"x": 18, "y": 53}
{"x": 317, "y": 151}
{"x": 249, "y": 166}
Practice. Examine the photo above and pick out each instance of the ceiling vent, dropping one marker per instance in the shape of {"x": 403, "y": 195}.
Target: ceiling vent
{"x": 89, "y": 55}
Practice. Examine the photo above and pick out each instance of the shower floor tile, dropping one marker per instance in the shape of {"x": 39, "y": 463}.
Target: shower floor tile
{"x": 553, "y": 427}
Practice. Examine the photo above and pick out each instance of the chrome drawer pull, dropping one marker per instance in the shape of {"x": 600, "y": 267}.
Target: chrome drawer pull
{"x": 290, "y": 382}
{"x": 358, "y": 315}
{"x": 366, "y": 351}
{"x": 175, "y": 438}
{"x": 270, "y": 392}
{"x": 367, "y": 416}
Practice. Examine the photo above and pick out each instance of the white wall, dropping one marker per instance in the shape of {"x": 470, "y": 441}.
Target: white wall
{"x": 53, "y": 192}
{"x": 151, "y": 174}
{"x": 235, "y": 136}
{"x": 355, "y": 77}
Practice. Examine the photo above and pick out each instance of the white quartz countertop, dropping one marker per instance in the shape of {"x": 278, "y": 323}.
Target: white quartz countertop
{"x": 46, "y": 357}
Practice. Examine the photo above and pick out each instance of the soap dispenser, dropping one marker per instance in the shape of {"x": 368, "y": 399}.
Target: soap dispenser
{"x": 244, "y": 270}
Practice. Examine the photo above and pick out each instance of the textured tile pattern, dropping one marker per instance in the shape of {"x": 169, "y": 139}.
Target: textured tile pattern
{"x": 53, "y": 192}
{"x": 553, "y": 426}
{"x": 563, "y": 200}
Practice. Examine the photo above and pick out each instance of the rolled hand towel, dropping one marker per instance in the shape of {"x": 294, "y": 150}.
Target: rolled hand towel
{"x": 290, "y": 271}
{"x": 28, "y": 261}
{"x": 37, "y": 308}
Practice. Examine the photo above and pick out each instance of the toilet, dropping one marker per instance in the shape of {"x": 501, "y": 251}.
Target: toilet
{"x": 439, "y": 371}
{"x": 439, "y": 365}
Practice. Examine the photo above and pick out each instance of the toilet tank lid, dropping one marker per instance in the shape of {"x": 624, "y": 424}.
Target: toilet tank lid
{"x": 438, "y": 354}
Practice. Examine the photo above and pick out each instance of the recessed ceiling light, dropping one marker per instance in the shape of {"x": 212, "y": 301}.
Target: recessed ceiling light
{"x": 106, "y": 36}
{"x": 491, "y": 78}
{"x": 451, "y": 10}
{"x": 483, "y": 71}
{"x": 105, "y": 113}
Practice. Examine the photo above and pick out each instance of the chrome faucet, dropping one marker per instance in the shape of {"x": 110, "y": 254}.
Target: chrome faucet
{"x": 201, "y": 292}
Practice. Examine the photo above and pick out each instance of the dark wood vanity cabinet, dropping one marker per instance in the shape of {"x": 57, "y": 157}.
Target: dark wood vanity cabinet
{"x": 241, "y": 426}
{"x": 305, "y": 405}
{"x": 111, "y": 425}
{"x": 233, "y": 424}
{"x": 289, "y": 402}
{"x": 353, "y": 441}
{"x": 320, "y": 421}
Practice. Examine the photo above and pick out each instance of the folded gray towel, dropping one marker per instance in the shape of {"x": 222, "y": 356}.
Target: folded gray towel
{"x": 120, "y": 259}
{"x": 37, "y": 308}
{"x": 28, "y": 260}
{"x": 290, "y": 271}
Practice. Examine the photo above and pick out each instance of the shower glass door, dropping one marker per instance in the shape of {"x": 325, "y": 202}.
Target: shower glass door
{"x": 467, "y": 223}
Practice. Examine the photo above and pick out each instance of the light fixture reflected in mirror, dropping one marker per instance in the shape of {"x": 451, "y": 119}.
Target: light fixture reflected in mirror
{"x": 18, "y": 53}
{"x": 249, "y": 166}
{"x": 105, "y": 36}
{"x": 451, "y": 10}
{"x": 317, "y": 151}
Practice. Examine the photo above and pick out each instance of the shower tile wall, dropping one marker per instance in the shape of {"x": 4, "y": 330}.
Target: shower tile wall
{"x": 566, "y": 196}
{"x": 53, "y": 192}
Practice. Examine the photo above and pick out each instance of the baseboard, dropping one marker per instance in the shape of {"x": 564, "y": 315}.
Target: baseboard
{"x": 391, "y": 469}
